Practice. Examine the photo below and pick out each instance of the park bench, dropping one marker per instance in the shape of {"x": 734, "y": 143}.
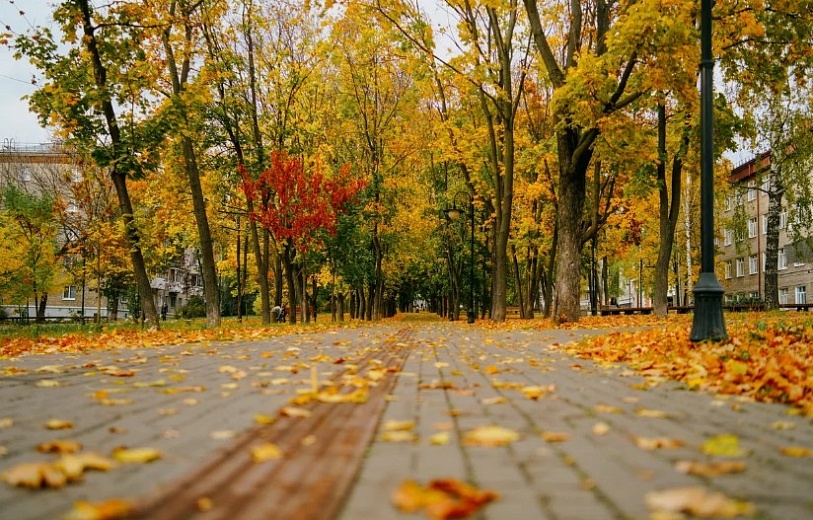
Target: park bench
{"x": 615, "y": 311}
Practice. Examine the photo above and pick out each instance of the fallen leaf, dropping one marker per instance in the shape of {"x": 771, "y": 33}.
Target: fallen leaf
{"x": 440, "y": 439}
{"x": 697, "y": 502}
{"x": 264, "y": 419}
{"x": 555, "y": 436}
{"x": 441, "y": 499}
{"x": 290, "y": 411}
{"x": 709, "y": 469}
{"x": 600, "y": 428}
{"x": 398, "y": 436}
{"x": 490, "y": 436}
{"x": 6, "y": 422}
{"x": 654, "y": 443}
{"x": 112, "y": 509}
{"x": 646, "y": 412}
{"x": 493, "y": 400}
{"x": 796, "y": 451}
{"x": 392, "y": 425}
{"x": 59, "y": 446}
{"x": 74, "y": 465}
{"x": 604, "y": 408}
{"x": 265, "y": 451}
{"x": 59, "y": 424}
{"x": 136, "y": 455}
{"x": 204, "y": 504}
{"x": 34, "y": 475}
{"x": 47, "y": 383}
{"x": 783, "y": 425}
{"x": 725, "y": 445}
{"x": 537, "y": 392}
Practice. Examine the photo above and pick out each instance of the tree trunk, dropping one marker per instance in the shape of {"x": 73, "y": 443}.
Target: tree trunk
{"x": 211, "y": 290}
{"x": 105, "y": 105}
{"x": 775, "y": 195}
{"x": 288, "y": 264}
{"x": 668, "y": 211}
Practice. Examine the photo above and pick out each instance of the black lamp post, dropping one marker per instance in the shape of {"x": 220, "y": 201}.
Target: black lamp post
{"x": 453, "y": 213}
{"x": 708, "y": 321}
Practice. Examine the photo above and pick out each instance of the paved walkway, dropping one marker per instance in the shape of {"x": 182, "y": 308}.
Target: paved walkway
{"x": 199, "y": 404}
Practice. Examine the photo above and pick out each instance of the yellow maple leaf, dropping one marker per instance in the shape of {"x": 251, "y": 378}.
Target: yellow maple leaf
{"x": 59, "y": 424}
{"x": 112, "y": 509}
{"x": 725, "y": 445}
{"x": 492, "y": 435}
{"x": 796, "y": 451}
{"x": 266, "y": 451}
{"x": 136, "y": 455}
{"x": 59, "y": 446}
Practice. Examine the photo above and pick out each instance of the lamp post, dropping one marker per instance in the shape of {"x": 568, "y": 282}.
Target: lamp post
{"x": 454, "y": 213}
{"x": 708, "y": 323}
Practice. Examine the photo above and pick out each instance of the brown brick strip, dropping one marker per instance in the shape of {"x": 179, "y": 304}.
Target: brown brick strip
{"x": 309, "y": 482}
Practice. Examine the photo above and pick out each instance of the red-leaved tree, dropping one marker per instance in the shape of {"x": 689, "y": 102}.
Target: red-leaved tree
{"x": 303, "y": 205}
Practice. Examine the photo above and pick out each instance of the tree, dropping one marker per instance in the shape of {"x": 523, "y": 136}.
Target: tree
{"x": 28, "y": 229}
{"x": 84, "y": 87}
{"x": 305, "y": 205}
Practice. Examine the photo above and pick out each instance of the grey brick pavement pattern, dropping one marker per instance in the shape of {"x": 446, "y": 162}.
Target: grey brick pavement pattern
{"x": 585, "y": 477}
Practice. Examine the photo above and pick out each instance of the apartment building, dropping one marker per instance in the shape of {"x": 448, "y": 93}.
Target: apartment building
{"x": 743, "y": 276}
{"x": 50, "y": 168}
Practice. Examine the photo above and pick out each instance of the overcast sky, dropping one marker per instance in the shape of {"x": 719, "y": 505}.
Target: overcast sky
{"x": 16, "y": 122}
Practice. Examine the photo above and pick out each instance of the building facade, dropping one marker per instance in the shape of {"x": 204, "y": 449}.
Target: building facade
{"x": 743, "y": 264}
{"x": 49, "y": 168}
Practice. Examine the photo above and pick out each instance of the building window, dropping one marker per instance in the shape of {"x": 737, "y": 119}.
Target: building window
{"x": 766, "y": 184}
{"x": 69, "y": 293}
{"x": 752, "y": 191}
{"x": 801, "y": 294}
{"x": 753, "y": 295}
{"x": 740, "y": 267}
{"x": 728, "y": 237}
{"x": 783, "y": 296}
{"x": 781, "y": 259}
{"x": 25, "y": 174}
{"x": 753, "y": 264}
{"x": 728, "y": 270}
{"x": 783, "y": 220}
{"x": 752, "y": 227}
{"x": 728, "y": 203}
{"x": 764, "y": 224}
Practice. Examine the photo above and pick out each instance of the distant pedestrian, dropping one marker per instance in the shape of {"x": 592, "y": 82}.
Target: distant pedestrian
{"x": 276, "y": 311}
{"x": 164, "y": 311}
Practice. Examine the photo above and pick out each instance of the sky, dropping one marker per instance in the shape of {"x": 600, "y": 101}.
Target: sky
{"x": 16, "y": 122}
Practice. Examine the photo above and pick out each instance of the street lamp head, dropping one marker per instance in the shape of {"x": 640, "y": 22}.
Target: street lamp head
{"x": 453, "y": 213}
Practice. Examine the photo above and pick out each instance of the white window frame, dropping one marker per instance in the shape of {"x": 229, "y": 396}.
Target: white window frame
{"x": 783, "y": 220}
{"x": 801, "y": 294}
{"x": 740, "y": 267}
{"x": 752, "y": 191}
{"x": 69, "y": 293}
{"x": 729, "y": 202}
{"x": 766, "y": 184}
{"x": 753, "y": 264}
{"x": 764, "y": 224}
{"x": 728, "y": 237}
{"x": 781, "y": 259}
{"x": 752, "y": 227}
{"x": 784, "y": 293}
{"x": 728, "y": 270}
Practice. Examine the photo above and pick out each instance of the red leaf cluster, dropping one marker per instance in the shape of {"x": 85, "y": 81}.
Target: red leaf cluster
{"x": 297, "y": 203}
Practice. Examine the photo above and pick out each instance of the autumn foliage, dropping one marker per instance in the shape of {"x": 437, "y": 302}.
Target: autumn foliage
{"x": 298, "y": 203}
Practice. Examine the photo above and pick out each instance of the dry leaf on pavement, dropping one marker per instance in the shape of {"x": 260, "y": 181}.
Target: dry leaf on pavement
{"x": 709, "y": 469}
{"x": 441, "y": 499}
{"x": 555, "y": 436}
{"x": 266, "y": 451}
{"x": 698, "y": 502}
{"x": 136, "y": 455}
{"x": 796, "y": 451}
{"x": 59, "y": 446}
{"x": 490, "y": 436}
{"x": 725, "y": 445}
{"x": 58, "y": 424}
{"x": 601, "y": 428}
{"x": 112, "y": 509}
{"x": 34, "y": 475}
{"x": 653, "y": 443}
{"x": 537, "y": 392}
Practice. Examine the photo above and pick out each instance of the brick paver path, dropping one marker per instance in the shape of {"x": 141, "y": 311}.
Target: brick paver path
{"x": 198, "y": 403}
